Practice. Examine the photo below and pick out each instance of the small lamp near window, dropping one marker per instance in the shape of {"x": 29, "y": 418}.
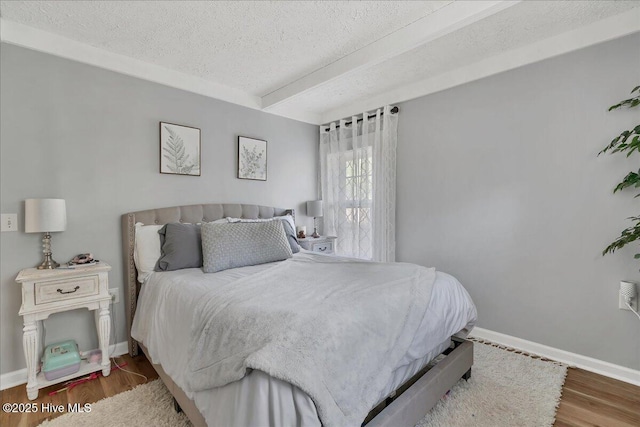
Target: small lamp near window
{"x": 45, "y": 216}
{"x": 314, "y": 209}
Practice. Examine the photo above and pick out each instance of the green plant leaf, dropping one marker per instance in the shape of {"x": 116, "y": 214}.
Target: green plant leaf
{"x": 629, "y": 103}
{"x": 631, "y": 180}
{"x": 628, "y": 141}
{"x": 634, "y": 145}
{"x": 627, "y": 236}
{"x": 620, "y": 143}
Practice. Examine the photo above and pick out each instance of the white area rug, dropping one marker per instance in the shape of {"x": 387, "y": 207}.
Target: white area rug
{"x": 506, "y": 389}
{"x": 146, "y": 405}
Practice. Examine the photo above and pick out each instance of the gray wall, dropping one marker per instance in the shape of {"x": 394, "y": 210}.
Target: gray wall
{"x": 499, "y": 184}
{"x": 90, "y": 136}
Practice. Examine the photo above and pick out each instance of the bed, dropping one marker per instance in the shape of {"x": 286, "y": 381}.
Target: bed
{"x": 162, "y": 325}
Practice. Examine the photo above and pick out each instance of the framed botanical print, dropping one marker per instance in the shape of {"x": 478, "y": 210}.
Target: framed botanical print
{"x": 179, "y": 149}
{"x": 252, "y": 158}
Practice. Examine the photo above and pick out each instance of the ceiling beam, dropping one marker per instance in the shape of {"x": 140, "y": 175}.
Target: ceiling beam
{"x": 443, "y": 21}
{"x": 602, "y": 31}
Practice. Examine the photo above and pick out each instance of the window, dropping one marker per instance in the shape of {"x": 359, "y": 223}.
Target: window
{"x": 359, "y": 203}
{"x": 355, "y": 200}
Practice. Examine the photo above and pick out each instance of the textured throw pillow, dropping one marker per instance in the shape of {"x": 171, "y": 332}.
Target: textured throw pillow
{"x": 289, "y": 228}
{"x": 181, "y": 247}
{"x": 146, "y": 249}
{"x": 240, "y": 244}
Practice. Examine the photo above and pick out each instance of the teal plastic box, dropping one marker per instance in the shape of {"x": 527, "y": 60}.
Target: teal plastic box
{"x": 61, "y": 359}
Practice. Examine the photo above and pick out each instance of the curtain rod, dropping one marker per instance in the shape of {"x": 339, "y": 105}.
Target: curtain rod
{"x": 394, "y": 110}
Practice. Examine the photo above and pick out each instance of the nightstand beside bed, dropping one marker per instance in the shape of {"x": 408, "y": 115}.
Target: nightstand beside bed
{"x": 322, "y": 244}
{"x": 45, "y": 292}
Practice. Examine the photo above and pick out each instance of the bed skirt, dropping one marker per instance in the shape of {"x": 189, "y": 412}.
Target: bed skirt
{"x": 411, "y": 402}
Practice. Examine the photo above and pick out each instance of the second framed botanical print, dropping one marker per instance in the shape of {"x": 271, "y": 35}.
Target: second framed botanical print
{"x": 252, "y": 158}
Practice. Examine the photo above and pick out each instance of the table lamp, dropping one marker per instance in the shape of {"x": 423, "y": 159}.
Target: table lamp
{"x": 314, "y": 209}
{"x": 45, "y": 216}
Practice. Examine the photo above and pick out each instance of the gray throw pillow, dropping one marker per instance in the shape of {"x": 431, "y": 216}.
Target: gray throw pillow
{"x": 241, "y": 244}
{"x": 289, "y": 229}
{"x": 180, "y": 247}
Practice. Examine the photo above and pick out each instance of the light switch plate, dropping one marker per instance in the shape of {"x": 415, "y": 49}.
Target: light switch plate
{"x": 9, "y": 222}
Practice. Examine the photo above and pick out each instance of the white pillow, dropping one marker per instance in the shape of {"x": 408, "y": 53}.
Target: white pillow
{"x": 217, "y": 221}
{"x": 286, "y": 217}
{"x": 146, "y": 249}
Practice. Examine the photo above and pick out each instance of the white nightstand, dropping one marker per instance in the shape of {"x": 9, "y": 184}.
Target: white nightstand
{"x": 322, "y": 244}
{"x": 45, "y": 292}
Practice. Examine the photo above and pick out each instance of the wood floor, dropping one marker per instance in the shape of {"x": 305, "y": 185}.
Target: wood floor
{"x": 588, "y": 399}
{"x": 89, "y": 392}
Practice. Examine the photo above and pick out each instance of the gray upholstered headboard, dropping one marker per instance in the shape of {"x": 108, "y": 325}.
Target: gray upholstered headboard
{"x": 189, "y": 214}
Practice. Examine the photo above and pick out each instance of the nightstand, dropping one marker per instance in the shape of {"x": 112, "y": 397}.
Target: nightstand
{"x": 45, "y": 292}
{"x": 322, "y": 244}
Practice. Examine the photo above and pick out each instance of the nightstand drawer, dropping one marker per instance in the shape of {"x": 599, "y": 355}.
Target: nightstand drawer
{"x": 322, "y": 244}
{"x": 323, "y": 247}
{"x": 66, "y": 289}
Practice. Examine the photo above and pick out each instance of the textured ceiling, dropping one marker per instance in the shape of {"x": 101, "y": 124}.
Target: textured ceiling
{"x": 264, "y": 47}
{"x": 517, "y": 26}
{"x": 255, "y": 46}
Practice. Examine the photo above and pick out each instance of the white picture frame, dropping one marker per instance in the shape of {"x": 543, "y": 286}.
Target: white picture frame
{"x": 252, "y": 158}
{"x": 179, "y": 149}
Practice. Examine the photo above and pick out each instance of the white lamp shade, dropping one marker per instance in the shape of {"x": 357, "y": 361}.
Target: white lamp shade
{"x": 42, "y": 215}
{"x": 314, "y": 208}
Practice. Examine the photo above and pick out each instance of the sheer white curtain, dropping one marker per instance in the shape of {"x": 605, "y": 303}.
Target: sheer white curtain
{"x": 358, "y": 184}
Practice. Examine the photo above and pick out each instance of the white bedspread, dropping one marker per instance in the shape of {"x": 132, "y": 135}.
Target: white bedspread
{"x": 334, "y": 327}
{"x": 163, "y": 324}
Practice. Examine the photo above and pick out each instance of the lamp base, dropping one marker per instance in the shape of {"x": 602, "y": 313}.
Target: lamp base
{"x": 315, "y": 234}
{"x": 48, "y": 263}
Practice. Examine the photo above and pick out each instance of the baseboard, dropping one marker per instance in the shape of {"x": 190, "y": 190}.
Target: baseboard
{"x": 12, "y": 379}
{"x": 601, "y": 367}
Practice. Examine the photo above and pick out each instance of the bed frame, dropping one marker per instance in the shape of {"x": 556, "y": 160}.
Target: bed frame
{"x": 405, "y": 407}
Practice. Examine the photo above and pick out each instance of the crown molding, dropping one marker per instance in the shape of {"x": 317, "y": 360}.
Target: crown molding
{"x": 601, "y": 31}
{"x": 43, "y": 41}
{"x": 53, "y": 44}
